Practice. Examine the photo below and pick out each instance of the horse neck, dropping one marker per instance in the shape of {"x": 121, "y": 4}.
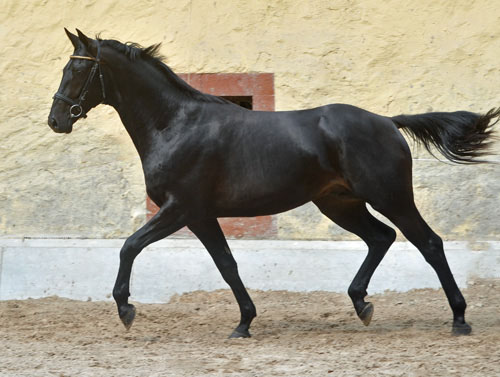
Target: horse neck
{"x": 146, "y": 101}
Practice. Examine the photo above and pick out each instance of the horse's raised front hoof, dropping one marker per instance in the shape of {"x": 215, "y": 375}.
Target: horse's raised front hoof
{"x": 240, "y": 334}
{"x": 127, "y": 315}
{"x": 461, "y": 329}
{"x": 366, "y": 314}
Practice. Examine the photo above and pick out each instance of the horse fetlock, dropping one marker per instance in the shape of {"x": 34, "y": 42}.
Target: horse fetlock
{"x": 121, "y": 293}
{"x": 249, "y": 312}
{"x": 357, "y": 294}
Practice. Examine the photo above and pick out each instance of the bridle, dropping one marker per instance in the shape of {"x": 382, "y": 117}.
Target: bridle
{"x": 76, "y": 110}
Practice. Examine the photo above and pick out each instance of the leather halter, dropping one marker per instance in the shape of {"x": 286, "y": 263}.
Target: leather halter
{"x": 76, "y": 110}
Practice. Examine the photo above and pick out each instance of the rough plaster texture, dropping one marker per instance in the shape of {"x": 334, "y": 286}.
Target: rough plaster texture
{"x": 389, "y": 57}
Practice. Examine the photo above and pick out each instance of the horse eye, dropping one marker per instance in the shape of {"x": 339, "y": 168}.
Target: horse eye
{"x": 76, "y": 69}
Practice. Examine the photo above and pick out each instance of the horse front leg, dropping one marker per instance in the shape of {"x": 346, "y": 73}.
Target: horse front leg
{"x": 167, "y": 220}
{"x": 211, "y": 236}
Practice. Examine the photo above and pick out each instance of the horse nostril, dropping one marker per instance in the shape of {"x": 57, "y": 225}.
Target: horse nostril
{"x": 53, "y": 123}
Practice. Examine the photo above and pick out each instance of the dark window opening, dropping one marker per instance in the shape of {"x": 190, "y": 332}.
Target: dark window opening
{"x": 243, "y": 101}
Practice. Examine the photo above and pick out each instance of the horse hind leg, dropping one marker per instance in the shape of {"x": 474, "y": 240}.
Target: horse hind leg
{"x": 353, "y": 216}
{"x": 406, "y": 217}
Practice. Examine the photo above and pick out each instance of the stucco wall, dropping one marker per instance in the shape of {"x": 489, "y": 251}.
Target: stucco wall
{"x": 389, "y": 57}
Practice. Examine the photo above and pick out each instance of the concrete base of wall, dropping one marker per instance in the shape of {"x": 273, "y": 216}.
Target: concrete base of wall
{"x": 86, "y": 269}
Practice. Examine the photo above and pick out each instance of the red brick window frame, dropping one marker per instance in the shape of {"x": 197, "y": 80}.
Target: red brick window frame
{"x": 260, "y": 87}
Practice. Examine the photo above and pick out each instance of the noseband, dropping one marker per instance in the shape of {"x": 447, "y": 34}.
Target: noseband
{"x": 76, "y": 110}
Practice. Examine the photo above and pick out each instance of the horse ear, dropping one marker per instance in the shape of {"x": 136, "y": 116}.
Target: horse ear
{"x": 87, "y": 42}
{"x": 83, "y": 38}
{"x": 73, "y": 38}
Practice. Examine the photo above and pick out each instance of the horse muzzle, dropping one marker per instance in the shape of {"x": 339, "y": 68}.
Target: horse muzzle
{"x": 58, "y": 127}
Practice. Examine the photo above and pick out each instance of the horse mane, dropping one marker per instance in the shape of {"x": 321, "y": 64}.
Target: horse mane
{"x": 152, "y": 55}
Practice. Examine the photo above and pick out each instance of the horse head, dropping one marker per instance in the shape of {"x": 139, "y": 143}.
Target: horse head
{"x": 82, "y": 86}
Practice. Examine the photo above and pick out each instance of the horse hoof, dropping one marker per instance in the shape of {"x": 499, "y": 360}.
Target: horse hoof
{"x": 461, "y": 329}
{"x": 239, "y": 334}
{"x": 127, "y": 315}
{"x": 366, "y": 314}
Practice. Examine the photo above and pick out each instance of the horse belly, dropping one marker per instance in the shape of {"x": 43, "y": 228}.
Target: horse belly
{"x": 264, "y": 191}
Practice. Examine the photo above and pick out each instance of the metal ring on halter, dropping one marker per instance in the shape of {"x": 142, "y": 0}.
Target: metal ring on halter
{"x": 78, "y": 113}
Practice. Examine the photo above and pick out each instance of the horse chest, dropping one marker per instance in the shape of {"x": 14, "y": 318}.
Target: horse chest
{"x": 158, "y": 177}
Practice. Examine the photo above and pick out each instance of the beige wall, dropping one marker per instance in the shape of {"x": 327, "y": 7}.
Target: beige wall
{"x": 389, "y": 57}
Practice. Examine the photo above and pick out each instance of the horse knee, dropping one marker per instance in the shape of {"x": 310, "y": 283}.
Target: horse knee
{"x": 459, "y": 304}
{"x": 356, "y": 291}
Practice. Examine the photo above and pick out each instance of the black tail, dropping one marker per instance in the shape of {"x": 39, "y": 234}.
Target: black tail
{"x": 461, "y": 136}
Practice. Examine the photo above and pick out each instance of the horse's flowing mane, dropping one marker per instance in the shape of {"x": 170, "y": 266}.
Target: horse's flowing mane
{"x": 152, "y": 55}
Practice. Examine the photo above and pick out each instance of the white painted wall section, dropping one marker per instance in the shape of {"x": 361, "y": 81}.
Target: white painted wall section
{"x": 86, "y": 269}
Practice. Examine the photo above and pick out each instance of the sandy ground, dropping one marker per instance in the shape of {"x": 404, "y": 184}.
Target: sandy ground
{"x": 295, "y": 334}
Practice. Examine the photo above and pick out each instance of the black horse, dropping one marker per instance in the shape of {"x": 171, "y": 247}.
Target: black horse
{"x": 204, "y": 158}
